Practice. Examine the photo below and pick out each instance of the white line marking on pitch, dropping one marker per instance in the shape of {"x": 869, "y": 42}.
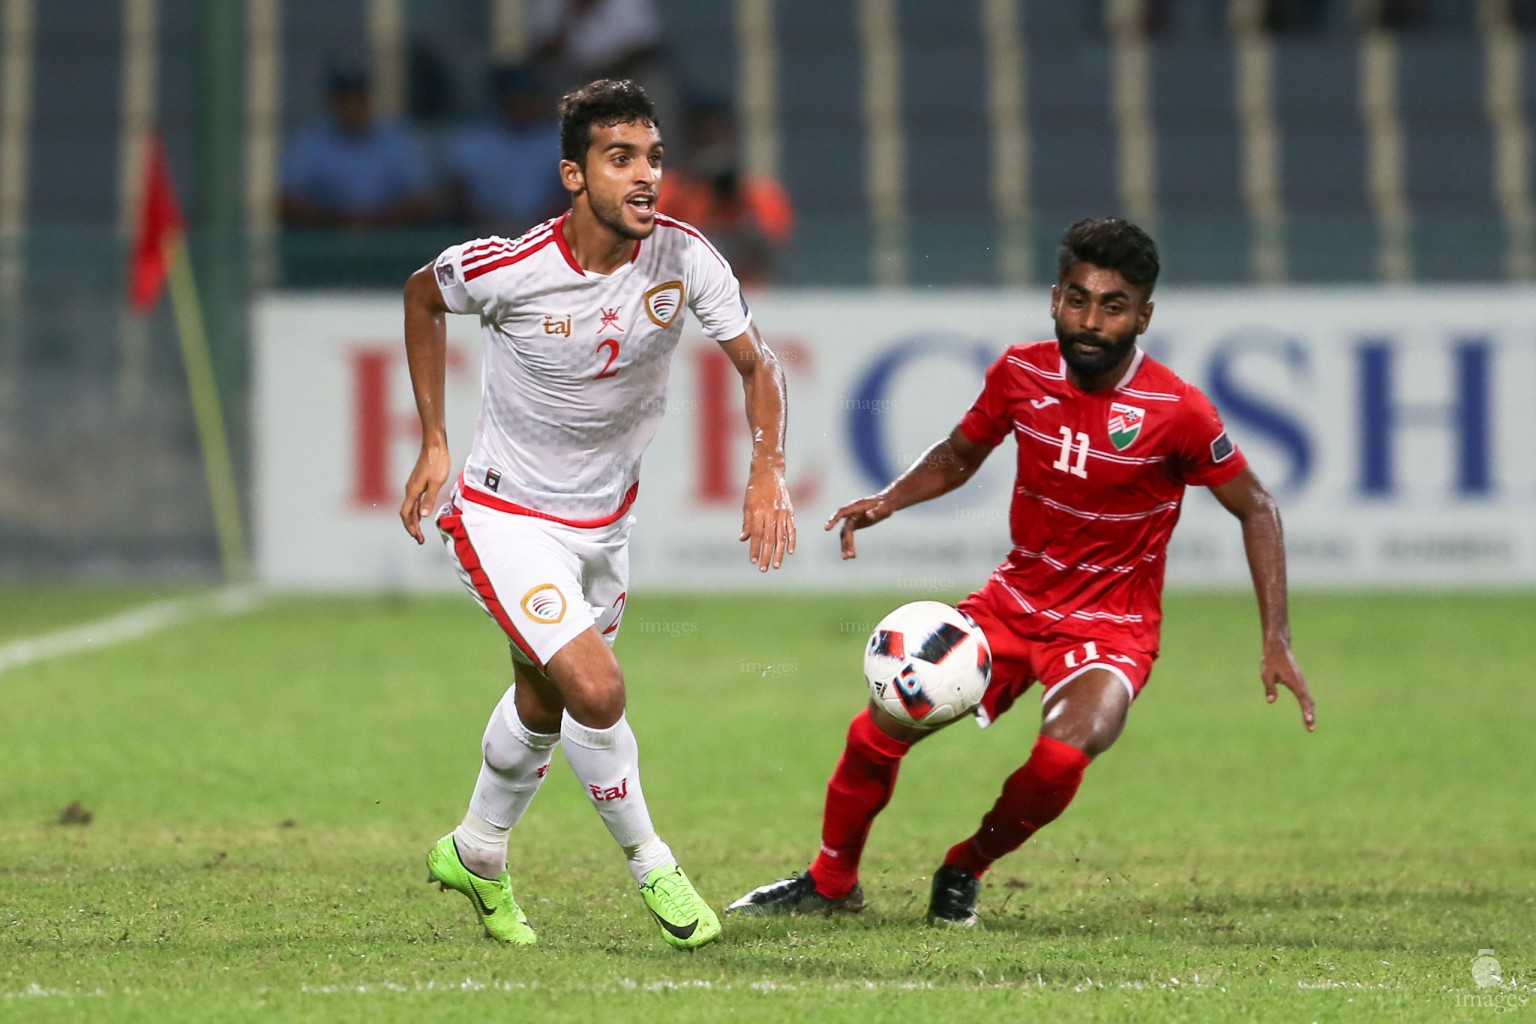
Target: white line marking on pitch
{"x": 129, "y": 625}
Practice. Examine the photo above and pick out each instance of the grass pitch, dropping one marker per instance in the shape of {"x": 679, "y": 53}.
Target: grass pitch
{"x": 263, "y": 789}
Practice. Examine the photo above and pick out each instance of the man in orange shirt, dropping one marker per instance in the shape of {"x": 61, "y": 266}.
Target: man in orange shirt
{"x": 748, "y": 217}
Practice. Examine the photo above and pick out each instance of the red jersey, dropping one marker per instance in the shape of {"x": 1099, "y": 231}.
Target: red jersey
{"x": 1099, "y": 483}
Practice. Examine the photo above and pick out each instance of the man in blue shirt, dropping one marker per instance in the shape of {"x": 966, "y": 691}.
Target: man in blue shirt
{"x": 353, "y": 170}
{"x": 502, "y": 172}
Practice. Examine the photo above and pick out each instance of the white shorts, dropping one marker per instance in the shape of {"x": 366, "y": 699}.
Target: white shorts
{"x": 543, "y": 582}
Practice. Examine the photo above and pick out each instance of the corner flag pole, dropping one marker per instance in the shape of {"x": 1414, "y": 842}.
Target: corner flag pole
{"x": 206, "y": 409}
{"x": 160, "y": 256}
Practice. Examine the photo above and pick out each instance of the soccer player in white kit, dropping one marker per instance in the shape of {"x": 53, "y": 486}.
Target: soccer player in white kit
{"x": 580, "y": 318}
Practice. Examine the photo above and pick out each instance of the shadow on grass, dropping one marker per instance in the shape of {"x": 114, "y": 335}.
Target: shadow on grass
{"x": 1409, "y": 921}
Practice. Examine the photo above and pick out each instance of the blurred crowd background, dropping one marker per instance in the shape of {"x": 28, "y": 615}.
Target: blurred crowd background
{"x": 843, "y": 143}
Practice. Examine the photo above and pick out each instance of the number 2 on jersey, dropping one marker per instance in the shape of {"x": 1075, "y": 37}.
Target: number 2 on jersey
{"x": 1064, "y": 461}
{"x": 608, "y": 371}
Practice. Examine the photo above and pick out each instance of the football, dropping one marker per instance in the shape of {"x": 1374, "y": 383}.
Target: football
{"x": 927, "y": 664}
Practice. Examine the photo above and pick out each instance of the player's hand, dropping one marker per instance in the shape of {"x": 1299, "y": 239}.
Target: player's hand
{"x": 768, "y": 519}
{"x": 421, "y": 488}
{"x": 1280, "y": 669}
{"x": 856, "y": 516}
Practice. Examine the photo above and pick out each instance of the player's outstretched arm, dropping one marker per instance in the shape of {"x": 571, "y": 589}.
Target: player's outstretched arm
{"x": 1264, "y": 544}
{"x": 767, "y": 515}
{"x": 426, "y": 353}
{"x": 937, "y": 471}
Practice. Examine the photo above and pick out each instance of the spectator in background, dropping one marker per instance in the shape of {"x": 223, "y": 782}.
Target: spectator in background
{"x": 503, "y": 173}
{"x": 353, "y": 170}
{"x": 748, "y": 217}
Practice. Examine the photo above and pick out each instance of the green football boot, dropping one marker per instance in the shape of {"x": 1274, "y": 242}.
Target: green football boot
{"x": 499, "y": 913}
{"x": 686, "y": 920}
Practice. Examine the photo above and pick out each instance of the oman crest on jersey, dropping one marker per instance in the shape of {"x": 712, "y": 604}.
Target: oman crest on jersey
{"x": 664, "y": 302}
{"x": 1124, "y": 424}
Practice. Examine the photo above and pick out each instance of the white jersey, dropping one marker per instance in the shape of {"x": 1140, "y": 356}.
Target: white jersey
{"x": 575, "y": 371}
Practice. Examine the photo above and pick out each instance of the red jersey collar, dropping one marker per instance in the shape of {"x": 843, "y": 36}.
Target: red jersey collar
{"x": 565, "y": 246}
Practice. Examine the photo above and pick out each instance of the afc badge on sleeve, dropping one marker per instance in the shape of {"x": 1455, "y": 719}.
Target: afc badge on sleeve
{"x": 1221, "y": 448}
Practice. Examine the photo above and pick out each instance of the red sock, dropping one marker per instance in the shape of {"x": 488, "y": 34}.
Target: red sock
{"x": 859, "y": 789}
{"x": 1033, "y": 797}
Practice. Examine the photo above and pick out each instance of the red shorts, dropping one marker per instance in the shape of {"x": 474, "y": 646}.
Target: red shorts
{"x": 1020, "y": 658}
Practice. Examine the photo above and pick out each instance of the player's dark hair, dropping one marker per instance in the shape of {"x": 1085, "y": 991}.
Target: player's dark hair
{"x": 1113, "y": 244}
{"x": 600, "y": 104}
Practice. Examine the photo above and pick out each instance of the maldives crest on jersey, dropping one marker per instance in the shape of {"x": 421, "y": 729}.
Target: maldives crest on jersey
{"x": 1124, "y": 424}
{"x": 664, "y": 302}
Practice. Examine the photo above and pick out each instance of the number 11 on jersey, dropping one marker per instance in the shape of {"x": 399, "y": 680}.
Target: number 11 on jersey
{"x": 1071, "y": 443}
{"x": 1090, "y": 653}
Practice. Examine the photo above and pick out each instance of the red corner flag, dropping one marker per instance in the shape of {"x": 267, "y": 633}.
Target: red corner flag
{"x": 160, "y": 225}
{"x": 159, "y": 253}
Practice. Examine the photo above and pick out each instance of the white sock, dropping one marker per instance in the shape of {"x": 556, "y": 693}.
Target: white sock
{"x": 516, "y": 759}
{"x": 482, "y": 846}
{"x": 607, "y": 761}
{"x": 648, "y": 856}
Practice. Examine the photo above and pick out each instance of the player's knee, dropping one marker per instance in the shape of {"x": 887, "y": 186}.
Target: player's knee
{"x": 1091, "y": 743}
{"x": 589, "y": 680}
{"x": 1092, "y": 735}
{"x": 596, "y": 699}
{"x": 1089, "y": 714}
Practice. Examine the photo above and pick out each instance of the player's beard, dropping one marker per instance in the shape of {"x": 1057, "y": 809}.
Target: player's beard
{"x": 1089, "y": 363}
{"x": 611, "y": 216}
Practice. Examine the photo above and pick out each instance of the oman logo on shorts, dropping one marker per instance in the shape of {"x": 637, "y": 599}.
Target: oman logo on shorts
{"x": 1124, "y": 424}
{"x": 544, "y": 603}
{"x": 664, "y": 302}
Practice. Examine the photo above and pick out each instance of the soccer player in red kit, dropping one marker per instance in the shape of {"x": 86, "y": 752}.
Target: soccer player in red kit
{"x": 1108, "y": 439}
